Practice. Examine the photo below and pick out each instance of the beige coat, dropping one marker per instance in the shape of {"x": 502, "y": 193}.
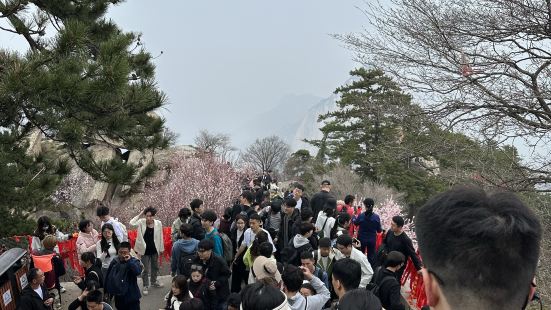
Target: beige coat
{"x": 139, "y": 247}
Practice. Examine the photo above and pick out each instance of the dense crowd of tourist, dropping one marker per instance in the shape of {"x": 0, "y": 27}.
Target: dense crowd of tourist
{"x": 296, "y": 253}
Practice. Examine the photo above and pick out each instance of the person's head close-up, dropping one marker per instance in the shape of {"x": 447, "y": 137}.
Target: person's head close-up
{"x": 204, "y": 249}
{"x": 307, "y": 290}
{"x": 397, "y": 224}
{"x": 480, "y": 250}
{"x": 184, "y": 214}
{"x": 94, "y": 300}
{"x": 196, "y": 206}
{"x": 324, "y": 245}
{"x": 102, "y": 211}
{"x": 344, "y": 244}
{"x": 150, "y": 213}
{"x": 346, "y": 276}
{"x": 197, "y": 273}
{"x": 307, "y": 260}
{"x": 208, "y": 217}
{"x": 124, "y": 250}
{"x": 325, "y": 185}
{"x": 289, "y": 205}
{"x": 259, "y": 296}
{"x": 254, "y": 222}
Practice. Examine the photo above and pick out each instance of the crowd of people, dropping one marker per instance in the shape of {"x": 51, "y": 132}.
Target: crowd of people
{"x": 296, "y": 253}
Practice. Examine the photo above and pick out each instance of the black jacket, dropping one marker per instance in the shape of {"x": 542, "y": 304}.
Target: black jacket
{"x": 30, "y": 300}
{"x": 402, "y": 244}
{"x": 198, "y": 230}
{"x": 305, "y": 202}
{"x": 389, "y": 290}
{"x": 217, "y": 270}
{"x": 318, "y": 201}
{"x": 294, "y": 218}
{"x": 92, "y": 273}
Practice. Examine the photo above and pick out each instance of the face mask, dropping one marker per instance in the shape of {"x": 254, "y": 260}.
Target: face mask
{"x": 45, "y": 227}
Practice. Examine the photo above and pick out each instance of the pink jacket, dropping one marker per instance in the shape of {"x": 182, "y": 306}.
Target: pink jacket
{"x": 87, "y": 242}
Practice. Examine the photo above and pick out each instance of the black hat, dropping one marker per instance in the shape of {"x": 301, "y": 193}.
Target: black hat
{"x": 325, "y": 182}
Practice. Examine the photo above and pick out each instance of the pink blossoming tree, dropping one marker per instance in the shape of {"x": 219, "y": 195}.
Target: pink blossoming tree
{"x": 185, "y": 178}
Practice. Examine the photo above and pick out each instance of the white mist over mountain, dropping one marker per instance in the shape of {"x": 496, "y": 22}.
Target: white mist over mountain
{"x": 293, "y": 119}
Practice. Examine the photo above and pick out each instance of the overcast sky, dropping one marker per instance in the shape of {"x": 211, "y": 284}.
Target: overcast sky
{"x": 224, "y": 62}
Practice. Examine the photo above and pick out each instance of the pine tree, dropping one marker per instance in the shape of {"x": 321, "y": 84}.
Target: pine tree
{"x": 84, "y": 84}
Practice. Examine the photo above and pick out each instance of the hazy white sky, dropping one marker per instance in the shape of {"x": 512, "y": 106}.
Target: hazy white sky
{"x": 224, "y": 61}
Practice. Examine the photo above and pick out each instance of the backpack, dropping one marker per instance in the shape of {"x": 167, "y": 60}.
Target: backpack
{"x": 227, "y": 247}
{"x": 291, "y": 255}
{"x": 375, "y": 288}
{"x": 185, "y": 262}
{"x": 116, "y": 282}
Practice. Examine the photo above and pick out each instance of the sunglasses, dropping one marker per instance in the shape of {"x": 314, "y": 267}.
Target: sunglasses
{"x": 196, "y": 267}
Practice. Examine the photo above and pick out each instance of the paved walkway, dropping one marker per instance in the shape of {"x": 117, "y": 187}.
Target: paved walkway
{"x": 153, "y": 301}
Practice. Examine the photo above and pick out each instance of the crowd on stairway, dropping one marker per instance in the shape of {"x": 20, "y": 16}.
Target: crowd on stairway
{"x": 299, "y": 253}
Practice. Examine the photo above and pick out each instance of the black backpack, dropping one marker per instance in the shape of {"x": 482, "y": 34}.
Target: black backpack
{"x": 116, "y": 282}
{"x": 185, "y": 262}
{"x": 375, "y": 288}
{"x": 291, "y": 255}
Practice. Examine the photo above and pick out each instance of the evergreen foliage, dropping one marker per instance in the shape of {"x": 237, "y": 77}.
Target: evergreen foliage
{"x": 85, "y": 85}
{"x": 378, "y": 132}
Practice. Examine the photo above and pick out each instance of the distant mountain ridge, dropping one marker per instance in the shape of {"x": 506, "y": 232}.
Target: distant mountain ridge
{"x": 293, "y": 119}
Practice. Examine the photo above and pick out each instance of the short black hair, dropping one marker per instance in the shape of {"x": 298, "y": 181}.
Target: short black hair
{"x": 247, "y": 195}
{"x": 394, "y": 258}
{"x": 324, "y": 243}
{"x": 344, "y": 240}
{"x": 186, "y": 230}
{"x": 88, "y": 257}
{"x": 507, "y": 233}
{"x": 126, "y": 245}
{"x": 209, "y": 215}
{"x": 348, "y": 272}
{"x": 260, "y": 296}
{"x": 95, "y": 296}
{"x": 184, "y": 212}
{"x": 151, "y": 210}
{"x": 369, "y": 203}
{"x": 300, "y": 186}
{"x": 255, "y": 216}
{"x": 349, "y": 198}
{"x": 192, "y": 304}
{"x": 195, "y": 203}
{"x": 306, "y": 214}
{"x": 398, "y": 220}
{"x": 359, "y": 299}
{"x": 266, "y": 249}
{"x": 206, "y": 244}
{"x": 325, "y": 182}
{"x": 304, "y": 228}
{"x": 307, "y": 255}
{"x": 292, "y": 278}
{"x": 234, "y": 300}
{"x": 102, "y": 210}
{"x": 275, "y": 205}
{"x": 83, "y": 224}
{"x": 309, "y": 287}
{"x": 227, "y": 213}
{"x": 32, "y": 274}
{"x": 290, "y": 202}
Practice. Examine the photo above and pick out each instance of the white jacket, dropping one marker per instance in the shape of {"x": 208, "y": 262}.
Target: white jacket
{"x": 139, "y": 247}
{"x": 367, "y": 271}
